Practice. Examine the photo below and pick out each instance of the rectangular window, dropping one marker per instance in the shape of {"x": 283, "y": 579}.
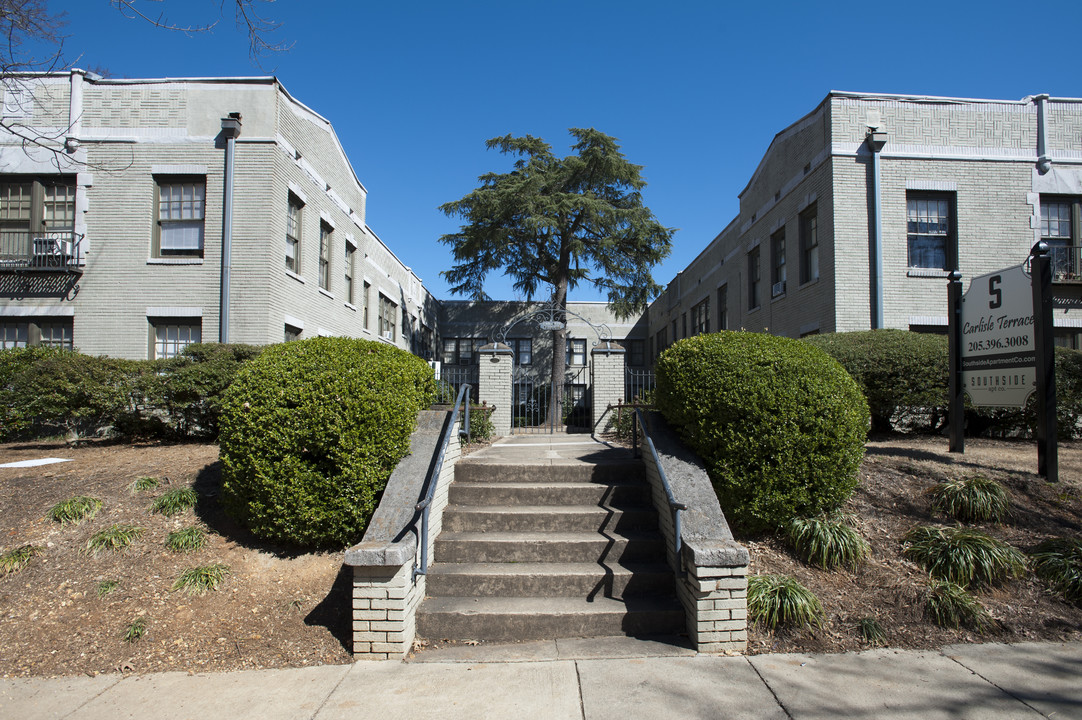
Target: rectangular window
{"x": 777, "y": 263}
{"x": 523, "y": 349}
{"x": 181, "y": 215}
{"x": 49, "y": 332}
{"x": 292, "y": 333}
{"x": 388, "y": 312}
{"x": 723, "y": 307}
{"x": 37, "y": 216}
{"x": 700, "y": 317}
{"x": 348, "y": 273}
{"x": 1060, "y": 216}
{"x": 427, "y": 338}
{"x": 171, "y": 336}
{"x": 364, "y": 300}
{"x": 636, "y": 352}
{"x": 930, "y": 230}
{"x": 576, "y": 352}
{"x": 809, "y": 245}
{"x": 449, "y": 356}
{"x": 753, "y": 279}
{"x": 325, "y": 233}
{"x": 662, "y": 340}
{"x": 293, "y": 234}
{"x": 675, "y": 331}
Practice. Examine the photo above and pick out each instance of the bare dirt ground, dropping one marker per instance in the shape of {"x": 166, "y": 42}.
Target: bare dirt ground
{"x": 278, "y": 608}
{"x": 891, "y": 499}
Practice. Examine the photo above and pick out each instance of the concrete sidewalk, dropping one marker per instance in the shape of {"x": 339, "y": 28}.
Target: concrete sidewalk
{"x": 568, "y": 679}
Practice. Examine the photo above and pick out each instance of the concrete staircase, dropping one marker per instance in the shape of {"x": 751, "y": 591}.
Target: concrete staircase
{"x": 549, "y": 537}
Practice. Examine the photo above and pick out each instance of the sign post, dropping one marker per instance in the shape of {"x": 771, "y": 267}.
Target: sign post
{"x": 1001, "y": 349}
{"x": 956, "y": 419}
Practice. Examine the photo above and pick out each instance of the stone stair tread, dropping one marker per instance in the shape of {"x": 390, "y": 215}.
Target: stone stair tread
{"x": 543, "y": 509}
{"x": 547, "y": 568}
{"x": 547, "y": 606}
{"x": 542, "y": 538}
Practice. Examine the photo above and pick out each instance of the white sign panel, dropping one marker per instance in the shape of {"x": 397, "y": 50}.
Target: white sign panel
{"x": 999, "y": 359}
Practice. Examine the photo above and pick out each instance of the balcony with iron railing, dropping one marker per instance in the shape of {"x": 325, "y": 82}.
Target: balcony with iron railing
{"x": 1066, "y": 263}
{"x": 44, "y": 251}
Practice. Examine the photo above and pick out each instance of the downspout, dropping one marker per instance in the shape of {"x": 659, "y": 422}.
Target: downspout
{"x": 1044, "y": 160}
{"x": 876, "y": 140}
{"x": 230, "y": 131}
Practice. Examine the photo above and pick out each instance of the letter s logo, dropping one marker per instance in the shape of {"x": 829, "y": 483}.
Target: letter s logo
{"x": 995, "y": 292}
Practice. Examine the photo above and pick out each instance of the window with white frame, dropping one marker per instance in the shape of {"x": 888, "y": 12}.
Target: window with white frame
{"x": 388, "y": 313}
{"x": 1060, "y": 216}
{"x": 523, "y": 350}
{"x": 44, "y": 331}
{"x": 365, "y": 292}
{"x": 930, "y": 230}
{"x": 171, "y": 336}
{"x": 809, "y": 245}
{"x": 292, "y": 333}
{"x": 576, "y": 352}
{"x": 777, "y": 263}
{"x": 325, "y": 234}
{"x": 462, "y": 351}
{"x": 293, "y": 233}
{"x": 181, "y": 217}
{"x": 348, "y": 273}
{"x": 37, "y": 209}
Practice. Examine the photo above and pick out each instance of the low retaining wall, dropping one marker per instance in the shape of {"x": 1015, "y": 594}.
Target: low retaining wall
{"x": 712, "y": 571}
{"x": 385, "y": 592}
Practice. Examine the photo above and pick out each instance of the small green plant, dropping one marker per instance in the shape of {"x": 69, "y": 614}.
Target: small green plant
{"x": 114, "y": 538}
{"x": 142, "y": 484}
{"x": 871, "y": 631}
{"x": 198, "y": 580}
{"x": 1059, "y": 563}
{"x": 175, "y": 501}
{"x": 15, "y": 560}
{"x": 780, "y": 601}
{"x": 947, "y": 604}
{"x": 135, "y": 630}
{"x": 107, "y": 586}
{"x": 75, "y": 510}
{"x": 963, "y": 556}
{"x": 971, "y": 499}
{"x": 188, "y": 539}
{"x": 826, "y": 542}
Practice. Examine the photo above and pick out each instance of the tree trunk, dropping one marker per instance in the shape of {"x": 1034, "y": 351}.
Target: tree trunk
{"x": 559, "y": 361}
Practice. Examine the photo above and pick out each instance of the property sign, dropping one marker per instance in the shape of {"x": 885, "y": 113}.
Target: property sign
{"x": 998, "y": 344}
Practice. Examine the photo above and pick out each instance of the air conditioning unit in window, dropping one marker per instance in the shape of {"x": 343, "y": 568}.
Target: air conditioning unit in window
{"x": 777, "y": 289}
{"x": 436, "y": 367}
{"x": 388, "y": 335}
{"x": 51, "y": 250}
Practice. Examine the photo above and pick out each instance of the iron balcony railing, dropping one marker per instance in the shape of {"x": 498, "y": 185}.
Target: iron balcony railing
{"x": 45, "y": 251}
{"x": 1066, "y": 263}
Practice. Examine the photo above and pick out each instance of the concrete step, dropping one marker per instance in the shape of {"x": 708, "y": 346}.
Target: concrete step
{"x": 546, "y": 493}
{"x": 516, "y": 618}
{"x": 560, "y": 547}
{"x": 621, "y": 471}
{"x": 541, "y": 518}
{"x": 612, "y": 580}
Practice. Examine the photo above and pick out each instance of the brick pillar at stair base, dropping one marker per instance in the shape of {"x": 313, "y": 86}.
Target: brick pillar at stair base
{"x": 494, "y": 384}
{"x": 715, "y": 601}
{"x": 607, "y": 381}
{"x": 385, "y": 601}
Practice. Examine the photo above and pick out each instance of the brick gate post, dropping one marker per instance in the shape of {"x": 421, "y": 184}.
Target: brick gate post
{"x": 494, "y": 384}
{"x": 607, "y": 381}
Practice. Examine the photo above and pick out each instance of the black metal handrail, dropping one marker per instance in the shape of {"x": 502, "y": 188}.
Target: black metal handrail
{"x": 44, "y": 250}
{"x": 425, "y": 505}
{"x": 674, "y": 506}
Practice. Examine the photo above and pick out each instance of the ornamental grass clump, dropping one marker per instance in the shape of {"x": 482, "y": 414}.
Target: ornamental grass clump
{"x": 947, "y": 604}
{"x": 188, "y": 539}
{"x": 175, "y": 501}
{"x": 871, "y": 631}
{"x": 134, "y": 631}
{"x": 779, "y": 601}
{"x": 780, "y": 426}
{"x": 963, "y": 556}
{"x": 75, "y": 510}
{"x": 15, "y": 560}
{"x": 143, "y": 484}
{"x": 971, "y": 499}
{"x": 200, "y": 580}
{"x": 826, "y": 542}
{"x": 1059, "y": 563}
{"x": 114, "y": 538}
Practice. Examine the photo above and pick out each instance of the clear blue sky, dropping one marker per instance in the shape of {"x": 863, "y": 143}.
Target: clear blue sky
{"x": 694, "y": 91}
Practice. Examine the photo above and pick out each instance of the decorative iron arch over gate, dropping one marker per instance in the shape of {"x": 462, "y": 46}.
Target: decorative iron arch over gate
{"x": 532, "y": 391}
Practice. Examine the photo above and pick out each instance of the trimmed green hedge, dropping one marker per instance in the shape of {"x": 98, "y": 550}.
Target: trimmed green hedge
{"x": 779, "y": 424}
{"x": 902, "y": 374}
{"x": 310, "y": 432}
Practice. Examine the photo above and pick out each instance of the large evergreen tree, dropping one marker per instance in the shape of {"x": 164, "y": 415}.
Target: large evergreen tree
{"x": 555, "y": 222}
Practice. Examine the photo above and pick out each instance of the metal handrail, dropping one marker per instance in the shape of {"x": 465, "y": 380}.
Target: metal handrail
{"x": 674, "y": 506}
{"x": 434, "y": 474}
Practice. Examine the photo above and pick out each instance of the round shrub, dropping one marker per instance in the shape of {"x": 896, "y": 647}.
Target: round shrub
{"x": 779, "y": 425}
{"x": 310, "y": 432}
{"x": 902, "y": 374}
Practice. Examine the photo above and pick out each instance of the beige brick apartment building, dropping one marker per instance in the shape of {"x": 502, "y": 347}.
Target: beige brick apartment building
{"x": 111, "y": 221}
{"x": 966, "y": 184}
